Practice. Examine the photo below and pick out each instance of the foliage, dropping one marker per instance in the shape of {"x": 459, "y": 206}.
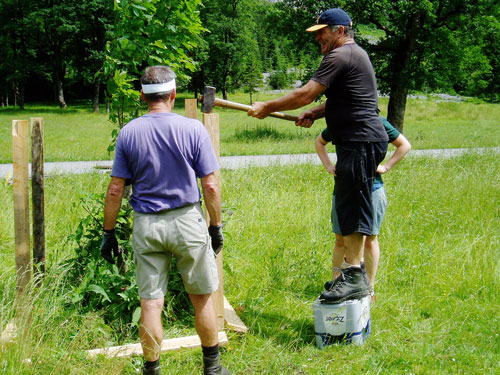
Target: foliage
{"x": 95, "y": 284}
{"x": 146, "y": 33}
{"x": 18, "y": 48}
{"x": 111, "y": 289}
{"x": 422, "y": 45}
{"x": 230, "y": 57}
{"x": 91, "y": 45}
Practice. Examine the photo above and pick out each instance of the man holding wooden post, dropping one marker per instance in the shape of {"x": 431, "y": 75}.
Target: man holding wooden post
{"x": 346, "y": 77}
{"x": 162, "y": 155}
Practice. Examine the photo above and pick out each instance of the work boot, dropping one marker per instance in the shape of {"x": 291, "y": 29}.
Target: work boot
{"x": 329, "y": 284}
{"x": 151, "y": 368}
{"x": 212, "y": 363}
{"x": 213, "y": 366}
{"x": 350, "y": 285}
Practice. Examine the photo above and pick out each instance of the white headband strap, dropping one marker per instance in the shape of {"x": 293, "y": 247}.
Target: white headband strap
{"x": 159, "y": 87}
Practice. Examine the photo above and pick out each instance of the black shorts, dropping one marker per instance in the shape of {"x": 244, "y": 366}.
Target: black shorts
{"x": 355, "y": 171}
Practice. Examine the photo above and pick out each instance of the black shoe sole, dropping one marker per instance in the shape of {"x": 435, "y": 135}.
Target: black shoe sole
{"x": 357, "y": 295}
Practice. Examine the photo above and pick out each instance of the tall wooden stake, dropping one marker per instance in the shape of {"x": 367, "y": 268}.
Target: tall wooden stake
{"x": 211, "y": 122}
{"x": 38, "y": 197}
{"x": 21, "y": 203}
{"x": 191, "y": 108}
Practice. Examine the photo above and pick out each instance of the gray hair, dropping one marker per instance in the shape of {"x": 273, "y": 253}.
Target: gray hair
{"x": 348, "y": 30}
{"x": 157, "y": 74}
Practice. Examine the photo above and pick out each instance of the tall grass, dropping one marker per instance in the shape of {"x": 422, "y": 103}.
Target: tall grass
{"x": 437, "y": 289}
{"x": 75, "y": 133}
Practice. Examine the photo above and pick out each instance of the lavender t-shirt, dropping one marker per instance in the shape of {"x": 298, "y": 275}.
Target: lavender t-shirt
{"x": 162, "y": 155}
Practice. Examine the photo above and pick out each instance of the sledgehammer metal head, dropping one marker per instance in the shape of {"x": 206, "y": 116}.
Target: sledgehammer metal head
{"x": 208, "y": 99}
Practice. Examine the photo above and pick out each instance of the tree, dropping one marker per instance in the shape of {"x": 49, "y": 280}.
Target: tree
{"x": 230, "y": 43}
{"x": 480, "y": 66}
{"x": 147, "y": 32}
{"x": 421, "y": 42}
{"x": 251, "y": 75}
{"x": 17, "y": 52}
{"x": 57, "y": 24}
{"x": 96, "y": 19}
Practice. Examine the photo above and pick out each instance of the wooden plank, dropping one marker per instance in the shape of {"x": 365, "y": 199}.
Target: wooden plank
{"x": 38, "y": 197}
{"x": 21, "y": 203}
{"x": 188, "y": 342}
{"x": 211, "y": 122}
{"x": 191, "y": 108}
{"x": 233, "y": 321}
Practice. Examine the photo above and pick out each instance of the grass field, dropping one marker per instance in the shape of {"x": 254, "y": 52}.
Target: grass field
{"x": 75, "y": 133}
{"x": 438, "y": 286}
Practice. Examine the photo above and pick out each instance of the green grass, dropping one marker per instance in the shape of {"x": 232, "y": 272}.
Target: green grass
{"x": 437, "y": 289}
{"x": 75, "y": 133}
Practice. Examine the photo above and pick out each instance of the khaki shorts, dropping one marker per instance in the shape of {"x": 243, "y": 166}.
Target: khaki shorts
{"x": 182, "y": 233}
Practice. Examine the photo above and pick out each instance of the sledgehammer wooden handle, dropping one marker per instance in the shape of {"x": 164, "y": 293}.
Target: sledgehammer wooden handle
{"x": 243, "y": 107}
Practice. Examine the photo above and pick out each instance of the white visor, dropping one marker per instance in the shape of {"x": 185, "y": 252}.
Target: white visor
{"x": 158, "y": 87}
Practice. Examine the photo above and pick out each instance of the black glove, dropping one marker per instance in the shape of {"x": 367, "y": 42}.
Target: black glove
{"x": 215, "y": 232}
{"x": 109, "y": 246}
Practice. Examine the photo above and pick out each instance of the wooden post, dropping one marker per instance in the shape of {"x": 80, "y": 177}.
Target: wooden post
{"x": 38, "y": 197}
{"x": 21, "y": 203}
{"x": 211, "y": 122}
{"x": 191, "y": 108}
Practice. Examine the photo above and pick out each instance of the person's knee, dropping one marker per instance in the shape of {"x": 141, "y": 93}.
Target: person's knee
{"x": 152, "y": 305}
{"x": 339, "y": 241}
{"x": 200, "y": 300}
{"x": 370, "y": 243}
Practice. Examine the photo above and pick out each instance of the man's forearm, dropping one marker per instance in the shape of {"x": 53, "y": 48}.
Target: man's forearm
{"x": 319, "y": 111}
{"x": 213, "y": 200}
{"x": 113, "y": 203}
{"x": 323, "y": 154}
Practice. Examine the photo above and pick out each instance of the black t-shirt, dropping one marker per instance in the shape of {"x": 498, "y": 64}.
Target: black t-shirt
{"x": 352, "y": 102}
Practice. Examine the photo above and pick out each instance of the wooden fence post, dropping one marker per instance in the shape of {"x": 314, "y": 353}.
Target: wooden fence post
{"x": 21, "y": 203}
{"x": 191, "y": 108}
{"x": 211, "y": 122}
{"x": 38, "y": 197}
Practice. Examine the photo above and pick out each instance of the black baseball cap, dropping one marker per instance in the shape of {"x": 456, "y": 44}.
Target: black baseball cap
{"x": 330, "y": 17}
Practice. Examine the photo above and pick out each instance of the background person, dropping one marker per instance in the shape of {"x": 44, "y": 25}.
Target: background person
{"x": 379, "y": 204}
{"x": 162, "y": 155}
{"x": 346, "y": 77}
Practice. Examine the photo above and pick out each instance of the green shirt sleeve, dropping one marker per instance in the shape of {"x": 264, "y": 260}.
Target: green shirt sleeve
{"x": 392, "y": 132}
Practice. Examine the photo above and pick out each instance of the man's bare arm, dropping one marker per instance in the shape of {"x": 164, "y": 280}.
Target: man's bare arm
{"x": 296, "y": 99}
{"x": 212, "y": 195}
{"x": 113, "y": 201}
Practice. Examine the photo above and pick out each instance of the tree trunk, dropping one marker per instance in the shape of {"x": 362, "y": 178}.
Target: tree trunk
{"x": 397, "y": 105}
{"x": 58, "y": 82}
{"x": 95, "y": 98}
{"x": 14, "y": 92}
{"x": 21, "y": 95}
{"x": 401, "y": 69}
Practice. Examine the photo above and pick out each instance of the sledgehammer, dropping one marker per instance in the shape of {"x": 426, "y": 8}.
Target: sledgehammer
{"x": 209, "y": 100}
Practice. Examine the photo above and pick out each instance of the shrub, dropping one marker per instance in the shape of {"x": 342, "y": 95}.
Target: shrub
{"x": 111, "y": 289}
